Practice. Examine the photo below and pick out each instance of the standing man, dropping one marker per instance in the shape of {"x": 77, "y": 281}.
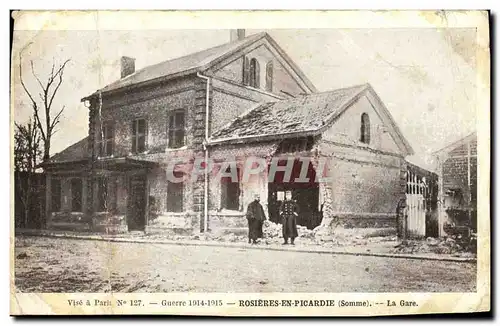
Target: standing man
{"x": 255, "y": 217}
{"x": 288, "y": 212}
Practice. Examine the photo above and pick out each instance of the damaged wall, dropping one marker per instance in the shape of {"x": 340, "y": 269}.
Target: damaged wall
{"x": 257, "y": 183}
{"x": 366, "y": 177}
{"x": 458, "y": 185}
{"x": 365, "y": 187}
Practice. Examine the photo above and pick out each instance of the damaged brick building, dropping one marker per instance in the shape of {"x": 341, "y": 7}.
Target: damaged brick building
{"x": 240, "y": 99}
{"x": 457, "y": 170}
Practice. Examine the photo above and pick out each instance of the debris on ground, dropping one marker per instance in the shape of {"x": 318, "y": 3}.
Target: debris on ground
{"x": 448, "y": 245}
{"x": 271, "y": 230}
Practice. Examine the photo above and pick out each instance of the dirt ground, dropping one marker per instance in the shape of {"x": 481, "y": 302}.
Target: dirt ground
{"x": 66, "y": 265}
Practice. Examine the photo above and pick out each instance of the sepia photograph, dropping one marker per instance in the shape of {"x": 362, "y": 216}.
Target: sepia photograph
{"x": 249, "y": 160}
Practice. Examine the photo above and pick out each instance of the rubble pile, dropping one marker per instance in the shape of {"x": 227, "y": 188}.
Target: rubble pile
{"x": 272, "y": 230}
{"x": 305, "y": 232}
{"x": 447, "y": 245}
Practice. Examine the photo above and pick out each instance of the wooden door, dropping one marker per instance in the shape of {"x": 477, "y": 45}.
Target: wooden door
{"x": 136, "y": 212}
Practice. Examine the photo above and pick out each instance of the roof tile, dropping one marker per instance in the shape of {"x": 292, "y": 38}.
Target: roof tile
{"x": 178, "y": 65}
{"x": 304, "y": 113}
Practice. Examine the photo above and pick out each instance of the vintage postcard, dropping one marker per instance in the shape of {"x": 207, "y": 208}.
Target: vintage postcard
{"x": 250, "y": 163}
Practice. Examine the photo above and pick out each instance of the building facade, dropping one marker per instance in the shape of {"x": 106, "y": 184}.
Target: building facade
{"x": 244, "y": 101}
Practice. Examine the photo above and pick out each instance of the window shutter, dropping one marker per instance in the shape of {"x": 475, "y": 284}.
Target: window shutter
{"x": 365, "y": 128}
{"x": 133, "y": 132}
{"x": 257, "y": 74}
{"x": 269, "y": 76}
{"x": 251, "y": 73}
{"x": 246, "y": 71}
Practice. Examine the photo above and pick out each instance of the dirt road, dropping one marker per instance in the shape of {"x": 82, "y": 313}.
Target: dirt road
{"x": 64, "y": 265}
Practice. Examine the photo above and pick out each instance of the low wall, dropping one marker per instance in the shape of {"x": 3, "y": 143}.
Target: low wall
{"x": 76, "y": 221}
{"x": 69, "y": 221}
{"x": 109, "y": 223}
{"x": 226, "y": 221}
{"x": 174, "y": 223}
{"x": 371, "y": 225}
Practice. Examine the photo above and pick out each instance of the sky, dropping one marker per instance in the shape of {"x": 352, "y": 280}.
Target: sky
{"x": 425, "y": 76}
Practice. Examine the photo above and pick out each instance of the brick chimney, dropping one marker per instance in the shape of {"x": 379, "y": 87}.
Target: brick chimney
{"x": 237, "y": 34}
{"x": 127, "y": 66}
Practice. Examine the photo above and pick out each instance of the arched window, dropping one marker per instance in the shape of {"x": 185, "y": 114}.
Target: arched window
{"x": 365, "y": 128}
{"x": 254, "y": 73}
{"x": 269, "y": 76}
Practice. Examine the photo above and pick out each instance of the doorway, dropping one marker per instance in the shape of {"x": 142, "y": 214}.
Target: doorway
{"x": 305, "y": 194}
{"x": 136, "y": 210}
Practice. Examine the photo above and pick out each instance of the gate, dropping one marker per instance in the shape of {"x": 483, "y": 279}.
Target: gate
{"x": 421, "y": 202}
{"x": 416, "y": 191}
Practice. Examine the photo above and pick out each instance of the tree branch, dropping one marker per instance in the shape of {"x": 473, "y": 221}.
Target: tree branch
{"x": 59, "y": 72}
{"x": 55, "y": 121}
{"x": 33, "y": 72}
{"x": 35, "y": 106}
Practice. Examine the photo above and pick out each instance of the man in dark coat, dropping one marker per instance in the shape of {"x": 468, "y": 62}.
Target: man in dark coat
{"x": 288, "y": 212}
{"x": 255, "y": 217}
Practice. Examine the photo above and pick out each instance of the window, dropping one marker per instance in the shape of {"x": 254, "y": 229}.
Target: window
{"x": 365, "y": 128}
{"x": 254, "y": 75}
{"x": 176, "y": 129}
{"x": 139, "y": 130}
{"x": 251, "y": 72}
{"x": 269, "y": 76}
{"x": 175, "y": 194}
{"x": 230, "y": 192}
{"x": 55, "y": 192}
{"x": 76, "y": 195}
{"x": 106, "y": 140}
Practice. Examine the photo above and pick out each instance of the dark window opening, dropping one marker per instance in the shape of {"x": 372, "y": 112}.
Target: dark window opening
{"x": 254, "y": 73}
{"x": 176, "y": 129}
{"x": 106, "y": 140}
{"x": 269, "y": 76}
{"x": 230, "y": 192}
{"x": 175, "y": 195}
{"x": 55, "y": 193}
{"x": 365, "y": 128}
{"x": 76, "y": 195}
{"x": 139, "y": 131}
{"x": 295, "y": 145}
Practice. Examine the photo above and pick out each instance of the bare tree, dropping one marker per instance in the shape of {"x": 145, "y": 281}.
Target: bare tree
{"x": 27, "y": 153}
{"x": 47, "y": 93}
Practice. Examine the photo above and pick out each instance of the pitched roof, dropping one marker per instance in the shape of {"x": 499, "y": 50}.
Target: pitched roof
{"x": 197, "y": 62}
{"x": 455, "y": 144}
{"x": 72, "y": 153}
{"x": 303, "y": 114}
{"x": 181, "y": 64}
